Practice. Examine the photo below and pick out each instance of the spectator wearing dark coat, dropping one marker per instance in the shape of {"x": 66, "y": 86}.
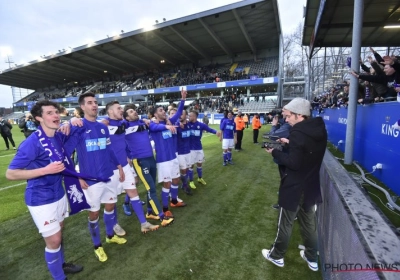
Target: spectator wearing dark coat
{"x": 5, "y": 129}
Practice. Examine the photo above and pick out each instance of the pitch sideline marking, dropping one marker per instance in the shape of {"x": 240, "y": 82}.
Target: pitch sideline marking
{"x": 9, "y": 187}
{"x": 7, "y": 155}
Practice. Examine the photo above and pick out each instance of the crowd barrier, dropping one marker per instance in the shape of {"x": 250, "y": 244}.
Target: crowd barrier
{"x": 355, "y": 239}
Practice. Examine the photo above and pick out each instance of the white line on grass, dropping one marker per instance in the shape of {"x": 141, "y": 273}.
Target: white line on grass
{"x": 8, "y": 155}
{"x": 9, "y": 187}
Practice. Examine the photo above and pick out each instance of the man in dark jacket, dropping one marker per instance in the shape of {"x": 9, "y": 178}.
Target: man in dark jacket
{"x": 27, "y": 125}
{"x": 5, "y": 129}
{"x": 299, "y": 191}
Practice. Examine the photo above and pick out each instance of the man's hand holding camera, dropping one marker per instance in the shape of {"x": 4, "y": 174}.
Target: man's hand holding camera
{"x": 269, "y": 148}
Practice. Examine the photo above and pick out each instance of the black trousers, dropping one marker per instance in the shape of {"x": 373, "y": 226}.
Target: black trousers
{"x": 308, "y": 230}
{"x": 7, "y": 137}
{"x": 255, "y": 135}
{"x": 239, "y": 137}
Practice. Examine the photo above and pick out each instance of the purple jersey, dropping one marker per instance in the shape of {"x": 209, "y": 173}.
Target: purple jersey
{"x": 31, "y": 155}
{"x": 95, "y": 154}
{"x": 228, "y": 129}
{"x": 196, "y": 131}
{"x": 165, "y": 142}
{"x": 116, "y": 128}
{"x": 138, "y": 141}
{"x": 183, "y": 135}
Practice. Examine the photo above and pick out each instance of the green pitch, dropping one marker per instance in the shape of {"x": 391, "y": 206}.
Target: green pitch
{"x": 219, "y": 235}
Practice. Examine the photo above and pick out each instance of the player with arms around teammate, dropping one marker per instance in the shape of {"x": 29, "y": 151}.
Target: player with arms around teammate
{"x": 97, "y": 158}
{"x": 196, "y": 148}
{"x": 184, "y": 158}
{"x": 141, "y": 153}
{"x": 228, "y": 137}
{"x": 117, "y": 128}
{"x": 167, "y": 163}
{"x": 44, "y": 194}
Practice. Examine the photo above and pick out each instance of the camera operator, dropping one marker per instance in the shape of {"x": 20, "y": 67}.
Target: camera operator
{"x": 280, "y": 129}
{"x": 299, "y": 191}
{"x": 27, "y": 125}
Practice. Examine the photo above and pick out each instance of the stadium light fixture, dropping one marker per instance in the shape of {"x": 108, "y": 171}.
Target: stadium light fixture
{"x": 105, "y": 71}
{"x": 164, "y": 19}
{"x": 122, "y": 31}
{"x": 391, "y": 26}
{"x": 90, "y": 42}
{"x": 147, "y": 24}
{"x": 156, "y": 21}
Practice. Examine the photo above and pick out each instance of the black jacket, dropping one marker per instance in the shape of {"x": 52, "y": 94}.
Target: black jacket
{"x": 5, "y": 127}
{"x": 307, "y": 146}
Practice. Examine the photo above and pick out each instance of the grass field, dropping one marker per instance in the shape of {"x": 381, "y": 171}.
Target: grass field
{"x": 219, "y": 235}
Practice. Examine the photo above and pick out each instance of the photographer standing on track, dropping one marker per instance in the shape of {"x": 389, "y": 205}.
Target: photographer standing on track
{"x": 27, "y": 125}
{"x": 299, "y": 191}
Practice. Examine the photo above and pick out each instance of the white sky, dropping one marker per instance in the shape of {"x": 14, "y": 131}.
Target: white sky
{"x": 31, "y": 28}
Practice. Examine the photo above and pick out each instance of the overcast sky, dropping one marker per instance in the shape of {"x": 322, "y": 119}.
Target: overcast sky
{"x": 31, "y": 28}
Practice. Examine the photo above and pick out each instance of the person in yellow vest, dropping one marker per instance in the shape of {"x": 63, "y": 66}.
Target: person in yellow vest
{"x": 246, "y": 120}
{"x": 239, "y": 131}
{"x": 256, "y": 124}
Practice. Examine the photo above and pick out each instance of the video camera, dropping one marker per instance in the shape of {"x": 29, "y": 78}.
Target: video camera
{"x": 271, "y": 143}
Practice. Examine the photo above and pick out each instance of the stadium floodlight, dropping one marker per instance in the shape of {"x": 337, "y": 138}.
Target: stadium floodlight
{"x": 122, "y": 31}
{"x": 105, "y": 71}
{"x": 391, "y": 26}
{"x": 90, "y": 42}
{"x": 147, "y": 24}
{"x": 156, "y": 21}
{"x": 164, "y": 19}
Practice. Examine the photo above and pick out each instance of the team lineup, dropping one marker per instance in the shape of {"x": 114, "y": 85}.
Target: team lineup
{"x": 121, "y": 148}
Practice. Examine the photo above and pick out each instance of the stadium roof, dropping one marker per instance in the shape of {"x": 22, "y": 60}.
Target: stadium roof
{"x": 247, "y": 26}
{"x": 335, "y": 18}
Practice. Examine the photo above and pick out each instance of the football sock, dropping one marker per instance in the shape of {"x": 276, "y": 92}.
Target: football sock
{"x": 108, "y": 218}
{"x": 200, "y": 172}
{"x": 54, "y": 264}
{"x": 95, "y": 233}
{"x": 184, "y": 180}
{"x": 229, "y": 155}
{"x": 190, "y": 174}
{"x": 174, "y": 194}
{"x": 137, "y": 207}
{"x": 165, "y": 197}
{"x": 116, "y": 215}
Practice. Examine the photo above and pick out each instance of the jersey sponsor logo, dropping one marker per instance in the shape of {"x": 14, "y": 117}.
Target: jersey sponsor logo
{"x": 185, "y": 134}
{"x": 195, "y": 132}
{"x": 229, "y": 127}
{"x": 95, "y": 144}
{"x": 166, "y": 134}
